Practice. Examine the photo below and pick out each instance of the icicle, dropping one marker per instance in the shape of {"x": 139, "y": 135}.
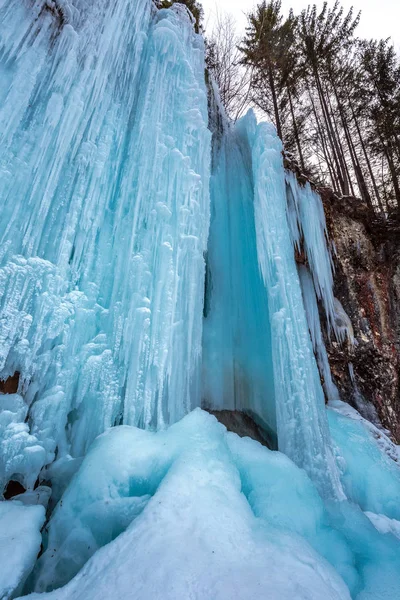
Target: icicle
{"x": 307, "y": 224}
{"x": 314, "y": 325}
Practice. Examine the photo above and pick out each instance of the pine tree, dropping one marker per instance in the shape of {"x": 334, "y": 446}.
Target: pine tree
{"x": 263, "y": 49}
{"x": 380, "y": 89}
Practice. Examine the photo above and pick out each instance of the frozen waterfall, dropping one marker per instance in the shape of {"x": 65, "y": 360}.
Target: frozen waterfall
{"x": 147, "y": 270}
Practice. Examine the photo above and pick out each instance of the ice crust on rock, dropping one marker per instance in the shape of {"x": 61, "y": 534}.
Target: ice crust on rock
{"x": 368, "y": 460}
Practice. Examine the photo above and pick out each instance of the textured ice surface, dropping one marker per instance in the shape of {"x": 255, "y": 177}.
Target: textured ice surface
{"x": 384, "y": 524}
{"x": 105, "y": 164}
{"x": 307, "y": 225}
{"x": 20, "y": 541}
{"x": 21, "y": 455}
{"x": 257, "y": 349}
{"x": 104, "y": 168}
{"x": 300, "y": 406}
{"x": 314, "y": 325}
{"x": 203, "y": 514}
{"x": 197, "y": 512}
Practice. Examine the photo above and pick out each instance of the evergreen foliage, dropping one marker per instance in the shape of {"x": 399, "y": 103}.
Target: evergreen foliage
{"x": 335, "y": 99}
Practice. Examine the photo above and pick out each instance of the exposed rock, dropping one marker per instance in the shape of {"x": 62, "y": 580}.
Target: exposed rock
{"x": 14, "y": 488}
{"x": 243, "y": 425}
{"x": 10, "y": 385}
{"x": 367, "y": 283}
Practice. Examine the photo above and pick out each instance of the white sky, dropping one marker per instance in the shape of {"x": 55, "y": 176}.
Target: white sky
{"x": 379, "y": 18}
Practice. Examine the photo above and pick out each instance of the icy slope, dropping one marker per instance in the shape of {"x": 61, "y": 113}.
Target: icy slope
{"x": 200, "y": 513}
{"x": 195, "y": 534}
{"x": 20, "y": 541}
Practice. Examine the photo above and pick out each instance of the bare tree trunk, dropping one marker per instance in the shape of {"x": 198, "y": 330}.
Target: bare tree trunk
{"x": 336, "y": 150}
{"x": 275, "y": 102}
{"x": 332, "y": 174}
{"x": 296, "y": 130}
{"x": 392, "y": 169}
{"x": 367, "y": 160}
{"x": 337, "y": 133}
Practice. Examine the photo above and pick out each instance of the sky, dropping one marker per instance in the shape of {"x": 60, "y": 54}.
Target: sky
{"x": 379, "y": 18}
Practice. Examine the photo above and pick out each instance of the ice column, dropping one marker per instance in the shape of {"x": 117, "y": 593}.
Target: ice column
{"x": 300, "y": 407}
{"x": 237, "y": 364}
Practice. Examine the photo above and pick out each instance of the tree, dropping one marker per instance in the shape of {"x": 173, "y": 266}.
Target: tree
{"x": 263, "y": 49}
{"x": 324, "y": 36}
{"x": 223, "y": 60}
{"x": 380, "y": 88}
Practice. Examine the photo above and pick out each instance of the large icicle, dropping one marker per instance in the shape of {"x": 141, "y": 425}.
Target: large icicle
{"x": 314, "y": 325}
{"x": 307, "y": 223}
{"x": 300, "y": 407}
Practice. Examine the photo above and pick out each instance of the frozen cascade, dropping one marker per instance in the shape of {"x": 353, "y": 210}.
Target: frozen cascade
{"x": 314, "y": 325}
{"x": 302, "y": 427}
{"x": 105, "y": 216}
{"x": 307, "y": 225}
{"x": 257, "y": 350}
{"x": 146, "y": 267}
{"x": 237, "y": 360}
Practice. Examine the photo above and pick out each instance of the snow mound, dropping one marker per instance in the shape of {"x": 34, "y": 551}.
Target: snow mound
{"x": 187, "y": 523}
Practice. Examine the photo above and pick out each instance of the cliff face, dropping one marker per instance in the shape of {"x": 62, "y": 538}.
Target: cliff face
{"x": 367, "y": 283}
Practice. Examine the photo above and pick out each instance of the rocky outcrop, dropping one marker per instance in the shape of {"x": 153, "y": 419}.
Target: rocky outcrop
{"x": 244, "y": 425}
{"x": 367, "y": 283}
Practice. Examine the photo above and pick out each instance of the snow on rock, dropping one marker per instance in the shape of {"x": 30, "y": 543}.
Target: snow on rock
{"x": 20, "y": 541}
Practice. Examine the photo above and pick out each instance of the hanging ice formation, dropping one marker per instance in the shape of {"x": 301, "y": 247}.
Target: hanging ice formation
{"x": 147, "y": 268}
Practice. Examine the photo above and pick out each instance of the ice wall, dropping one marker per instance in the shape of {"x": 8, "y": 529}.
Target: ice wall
{"x": 104, "y": 166}
{"x": 300, "y": 406}
{"x": 124, "y": 301}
